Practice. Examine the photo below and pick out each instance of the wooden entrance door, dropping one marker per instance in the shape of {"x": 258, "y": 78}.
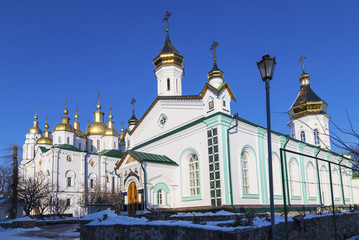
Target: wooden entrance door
{"x": 132, "y": 198}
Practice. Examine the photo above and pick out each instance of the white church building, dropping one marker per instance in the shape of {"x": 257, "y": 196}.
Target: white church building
{"x": 190, "y": 152}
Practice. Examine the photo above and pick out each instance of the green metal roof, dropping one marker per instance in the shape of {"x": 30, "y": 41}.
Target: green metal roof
{"x": 43, "y": 149}
{"x": 111, "y": 153}
{"x": 67, "y": 147}
{"x": 149, "y": 157}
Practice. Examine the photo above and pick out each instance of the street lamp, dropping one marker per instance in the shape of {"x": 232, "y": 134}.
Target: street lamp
{"x": 266, "y": 68}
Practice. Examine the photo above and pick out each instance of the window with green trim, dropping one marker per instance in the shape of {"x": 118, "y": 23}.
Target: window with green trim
{"x": 214, "y": 171}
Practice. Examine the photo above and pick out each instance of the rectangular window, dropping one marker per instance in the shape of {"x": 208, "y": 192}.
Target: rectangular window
{"x": 214, "y": 171}
{"x": 211, "y": 105}
{"x": 91, "y": 183}
{"x": 69, "y": 182}
{"x": 224, "y": 103}
{"x": 68, "y": 202}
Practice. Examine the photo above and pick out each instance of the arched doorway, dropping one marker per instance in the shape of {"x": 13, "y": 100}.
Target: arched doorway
{"x": 132, "y": 198}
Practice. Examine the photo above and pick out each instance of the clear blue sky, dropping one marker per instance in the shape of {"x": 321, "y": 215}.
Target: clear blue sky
{"x": 51, "y": 51}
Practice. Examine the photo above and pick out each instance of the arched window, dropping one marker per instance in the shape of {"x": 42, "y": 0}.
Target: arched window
{"x": 91, "y": 143}
{"x": 293, "y": 133}
{"x": 98, "y": 145}
{"x": 160, "y": 194}
{"x": 336, "y": 183}
{"x": 114, "y": 144}
{"x": 193, "y": 175}
{"x": 245, "y": 174}
{"x": 168, "y": 84}
{"x": 68, "y": 140}
{"x": 324, "y": 185}
{"x": 277, "y": 175}
{"x": 92, "y": 180}
{"x": 80, "y": 146}
{"x": 249, "y": 172}
{"x": 316, "y": 137}
{"x": 302, "y": 136}
{"x": 294, "y": 178}
{"x": 160, "y": 197}
{"x": 70, "y": 178}
{"x": 311, "y": 182}
{"x": 59, "y": 139}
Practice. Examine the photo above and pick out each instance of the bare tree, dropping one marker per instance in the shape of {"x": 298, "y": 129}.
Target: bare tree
{"x": 32, "y": 191}
{"x": 5, "y": 181}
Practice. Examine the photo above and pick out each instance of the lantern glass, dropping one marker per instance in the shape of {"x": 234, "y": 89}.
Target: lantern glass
{"x": 266, "y": 67}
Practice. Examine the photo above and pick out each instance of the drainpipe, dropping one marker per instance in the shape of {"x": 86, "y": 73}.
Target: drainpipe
{"x": 145, "y": 186}
{"x": 118, "y": 175}
{"x": 318, "y": 178}
{"x": 286, "y": 170}
{"x": 229, "y": 160}
{"x": 341, "y": 180}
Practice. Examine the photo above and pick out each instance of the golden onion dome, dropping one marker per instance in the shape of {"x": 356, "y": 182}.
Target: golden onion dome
{"x": 111, "y": 131}
{"x": 96, "y": 128}
{"x": 122, "y": 136}
{"x": 35, "y": 128}
{"x": 65, "y": 125}
{"x": 46, "y": 139}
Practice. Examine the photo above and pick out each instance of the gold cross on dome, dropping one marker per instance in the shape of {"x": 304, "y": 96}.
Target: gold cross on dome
{"x": 213, "y": 47}
{"x": 133, "y": 105}
{"x": 165, "y": 19}
{"x": 301, "y": 59}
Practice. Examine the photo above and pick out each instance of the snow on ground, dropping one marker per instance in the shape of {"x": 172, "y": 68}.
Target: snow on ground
{"x": 219, "y": 213}
{"x": 13, "y": 234}
{"x": 112, "y": 219}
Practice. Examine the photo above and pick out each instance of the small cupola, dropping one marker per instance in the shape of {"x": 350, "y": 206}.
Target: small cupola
{"x": 307, "y": 101}
{"x": 111, "y": 131}
{"x": 133, "y": 120}
{"x": 78, "y": 131}
{"x": 169, "y": 68}
{"x": 46, "y": 139}
{"x": 35, "y": 126}
{"x": 215, "y": 76}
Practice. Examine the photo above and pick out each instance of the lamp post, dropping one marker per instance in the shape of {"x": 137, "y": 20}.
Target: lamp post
{"x": 266, "y": 69}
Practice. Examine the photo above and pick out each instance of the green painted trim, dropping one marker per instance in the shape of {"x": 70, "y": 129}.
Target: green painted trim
{"x": 278, "y": 197}
{"x": 311, "y": 163}
{"x": 337, "y": 199}
{"x": 262, "y": 164}
{"x": 312, "y": 198}
{"x": 296, "y": 197}
{"x": 198, "y": 121}
{"x": 301, "y": 161}
{"x": 191, "y": 198}
{"x": 316, "y": 151}
{"x": 225, "y": 162}
{"x": 248, "y": 195}
{"x": 160, "y": 186}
